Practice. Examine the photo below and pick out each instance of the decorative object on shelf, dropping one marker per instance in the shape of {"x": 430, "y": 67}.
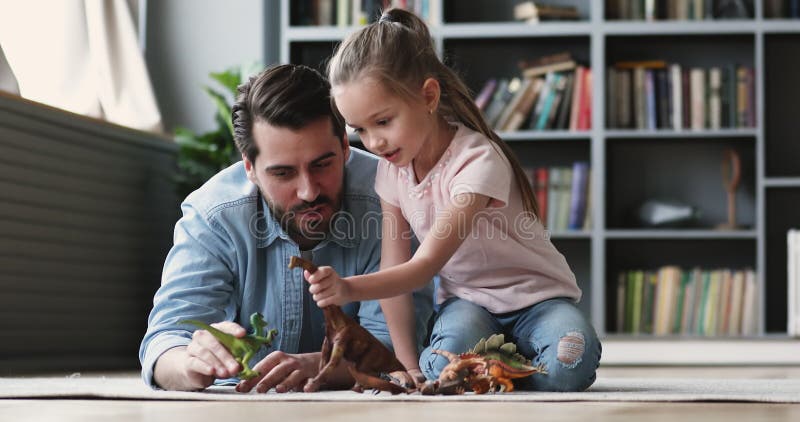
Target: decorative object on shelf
{"x": 732, "y": 9}
{"x": 531, "y": 12}
{"x": 667, "y": 213}
{"x": 731, "y": 176}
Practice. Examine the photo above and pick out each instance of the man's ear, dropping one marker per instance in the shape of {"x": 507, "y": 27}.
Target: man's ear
{"x": 431, "y": 93}
{"x": 345, "y": 146}
{"x": 249, "y": 170}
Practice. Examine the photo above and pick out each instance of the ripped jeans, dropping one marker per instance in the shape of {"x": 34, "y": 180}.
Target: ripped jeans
{"x": 554, "y": 333}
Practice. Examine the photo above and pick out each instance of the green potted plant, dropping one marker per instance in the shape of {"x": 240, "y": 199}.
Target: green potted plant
{"x": 201, "y": 156}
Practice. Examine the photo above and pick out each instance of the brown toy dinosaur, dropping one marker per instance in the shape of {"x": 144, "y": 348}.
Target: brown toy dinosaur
{"x": 366, "y": 356}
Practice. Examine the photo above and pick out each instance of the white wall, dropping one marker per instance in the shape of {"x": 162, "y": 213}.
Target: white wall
{"x": 187, "y": 39}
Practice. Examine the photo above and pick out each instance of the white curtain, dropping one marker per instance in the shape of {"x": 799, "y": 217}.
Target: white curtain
{"x": 81, "y": 56}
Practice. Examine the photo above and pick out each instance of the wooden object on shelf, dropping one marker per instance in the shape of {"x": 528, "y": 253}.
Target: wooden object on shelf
{"x": 731, "y": 177}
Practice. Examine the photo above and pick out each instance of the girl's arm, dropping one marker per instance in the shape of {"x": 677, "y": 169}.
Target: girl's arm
{"x": 451, "y": 227}
{"x": 398, "y": 310}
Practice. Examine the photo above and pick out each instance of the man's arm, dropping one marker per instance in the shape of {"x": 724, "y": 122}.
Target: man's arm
{"x": 197, "y": 283}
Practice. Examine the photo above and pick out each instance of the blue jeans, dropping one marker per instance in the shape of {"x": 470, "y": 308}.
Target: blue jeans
{"x": 554, "y": 333}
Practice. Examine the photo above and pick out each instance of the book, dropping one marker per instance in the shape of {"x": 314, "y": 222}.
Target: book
{"x": 564, "y": 199}
{"x": 540, "y": 190}
{"x": 585, "y": 117}
{"x": 533, "y": 72}
{"x": 714, "y": 98}
{"x": 519, "y": 92}
{"x": 560, "y": 88}
{"x": 750, "y": 320}
{"x": 698, "y": 98}
{"x": 621, "y": 282}
{"x": 523, "y": 107}
{"x": 543, "y": 115}
{"x": 553, "y": 195}
{"x": 577, "y": 97}
{"x": 793, "y": 282}
{"x": 577, "y": 207}
{"x": 542, "y": 100}
{"x": 564, "y": 108}
{"x": 485, "y": 95}
{"x": 498, "y": 103}
{"x": 677, "y": 98}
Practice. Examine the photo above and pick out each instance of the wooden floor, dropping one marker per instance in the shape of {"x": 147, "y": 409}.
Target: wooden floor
{"x": 127, "y": 411}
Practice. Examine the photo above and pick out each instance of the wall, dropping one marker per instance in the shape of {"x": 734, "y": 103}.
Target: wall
{"x": 187, "y": 39}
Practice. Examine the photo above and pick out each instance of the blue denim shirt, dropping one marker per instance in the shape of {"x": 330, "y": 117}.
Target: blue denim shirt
{"x": 229, "y": 261}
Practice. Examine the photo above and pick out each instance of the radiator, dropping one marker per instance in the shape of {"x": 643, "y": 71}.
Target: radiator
{"x": 87, "y": 210}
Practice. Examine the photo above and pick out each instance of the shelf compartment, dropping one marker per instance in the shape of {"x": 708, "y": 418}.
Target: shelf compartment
{"x": 547, "y": 153}
{"x": 459, "y": 11}
{"x": 642, "y": 254}
{"x": 782, "y": 100}
{"x": 687, "y": 50}
{"x": 470, "y": 56}
{"x": 313, "y": 54}
{"x": 685, "y": 170}
{"x": 578, "y": 253}
{"x": 781, "y": 215}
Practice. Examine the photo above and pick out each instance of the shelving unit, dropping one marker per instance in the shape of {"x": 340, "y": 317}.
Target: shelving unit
{"x": 629, "y": 166}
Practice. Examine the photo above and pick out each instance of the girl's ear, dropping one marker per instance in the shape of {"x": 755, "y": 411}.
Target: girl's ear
{"x": 431, "y": 93}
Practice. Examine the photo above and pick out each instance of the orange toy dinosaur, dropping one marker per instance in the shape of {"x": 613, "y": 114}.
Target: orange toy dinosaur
{"x": 366, "y": 356}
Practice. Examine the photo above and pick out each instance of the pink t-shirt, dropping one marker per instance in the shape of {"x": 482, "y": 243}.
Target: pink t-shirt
{"x": 507, "y": 262}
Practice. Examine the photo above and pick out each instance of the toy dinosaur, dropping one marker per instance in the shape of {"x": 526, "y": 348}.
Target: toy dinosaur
{"x": 369, "y": 361}
{"x": 489, "y": 366}
{"x": 243, "y": 348}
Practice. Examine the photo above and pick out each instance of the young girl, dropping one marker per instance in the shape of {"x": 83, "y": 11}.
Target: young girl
{"x": 445, "y": 175}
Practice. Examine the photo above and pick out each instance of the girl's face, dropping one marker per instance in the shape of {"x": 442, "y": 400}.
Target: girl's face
{"x": 390, "y": 126}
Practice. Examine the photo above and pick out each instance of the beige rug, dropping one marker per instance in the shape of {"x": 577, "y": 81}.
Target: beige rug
{"x": 608, "y": 389}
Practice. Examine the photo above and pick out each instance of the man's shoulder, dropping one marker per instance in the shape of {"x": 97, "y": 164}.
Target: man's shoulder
{"x": 360, "y": 177}
{"x": 228, "y": 188}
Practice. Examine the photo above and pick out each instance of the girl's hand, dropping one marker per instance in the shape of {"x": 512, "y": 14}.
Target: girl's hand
{"x": 327, "y": 287}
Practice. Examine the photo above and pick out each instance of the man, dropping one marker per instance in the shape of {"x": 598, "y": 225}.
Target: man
{"x": 299, "y": 190}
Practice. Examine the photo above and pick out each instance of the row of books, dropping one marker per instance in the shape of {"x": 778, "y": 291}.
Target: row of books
{"x": 651, "y": 10}
{"x": 782, "y": 9}
{"x": 656, "y": 95}
{"x": 793, "y": 282}
{"x": 553, "y": 92}
{"x": 696, "y": 302}
{"x": 352, "y": 12}
{"x": 563, "y": 195}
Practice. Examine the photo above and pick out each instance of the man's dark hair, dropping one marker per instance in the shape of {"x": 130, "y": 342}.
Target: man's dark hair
{"x": 290, "y": 96}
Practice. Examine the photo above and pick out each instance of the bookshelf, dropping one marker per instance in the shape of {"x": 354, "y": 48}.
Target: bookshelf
{"x": 631, "y": 165}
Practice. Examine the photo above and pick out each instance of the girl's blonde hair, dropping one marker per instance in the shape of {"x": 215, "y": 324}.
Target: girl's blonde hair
{"x": 397, "y": 51}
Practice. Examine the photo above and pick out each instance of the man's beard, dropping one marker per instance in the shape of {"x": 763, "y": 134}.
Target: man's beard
{"x": 313, "y": 230}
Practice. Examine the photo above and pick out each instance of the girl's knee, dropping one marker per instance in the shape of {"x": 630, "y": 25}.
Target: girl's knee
{"x": 571, "y": 363}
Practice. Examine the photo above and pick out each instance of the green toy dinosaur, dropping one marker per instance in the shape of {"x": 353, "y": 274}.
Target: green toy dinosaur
{"x": 243, "y": 348}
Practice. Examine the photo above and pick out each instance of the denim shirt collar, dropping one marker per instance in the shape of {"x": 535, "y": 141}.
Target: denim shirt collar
{"x": 267, "y": 228}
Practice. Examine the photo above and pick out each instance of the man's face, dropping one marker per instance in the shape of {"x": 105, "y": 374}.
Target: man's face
{"x": 301, "y": 174}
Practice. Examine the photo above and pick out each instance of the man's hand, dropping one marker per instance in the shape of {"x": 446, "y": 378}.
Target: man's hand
{"x": 411, "y": 378}
{"x": 328, "y": 288}
{"x": 285, "y": 372}
{"x": 197, "y": 365}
